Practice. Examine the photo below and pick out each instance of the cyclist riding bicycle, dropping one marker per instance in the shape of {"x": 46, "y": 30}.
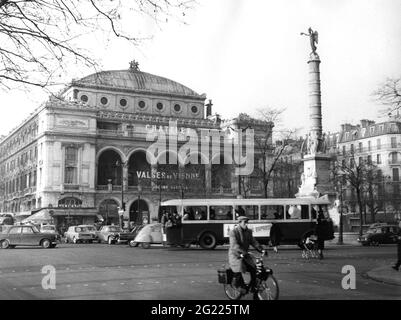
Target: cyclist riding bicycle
{"x": 240, "y": 261}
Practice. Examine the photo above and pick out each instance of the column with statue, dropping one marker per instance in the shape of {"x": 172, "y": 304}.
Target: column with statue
{"x": 316, "y": 175}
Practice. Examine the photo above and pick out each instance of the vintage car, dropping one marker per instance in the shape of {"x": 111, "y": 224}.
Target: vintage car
{"x": 110, "y": 234}
{"x": 127, "y": 237}
{"x": 147, "y": 235}
{"x": 6, "y": 219}
{"x": 90, "y": 229}
{"x": 26, "y": 235}
{"x": 77, "y": 234}
{"x": 49, "y": 228}
{"x": 381, "y": 234}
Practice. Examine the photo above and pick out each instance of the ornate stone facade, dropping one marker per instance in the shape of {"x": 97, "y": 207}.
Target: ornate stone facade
{"x": 85, "y": 153}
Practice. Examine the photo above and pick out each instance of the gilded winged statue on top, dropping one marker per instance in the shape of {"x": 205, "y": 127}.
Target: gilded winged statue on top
{"x": 313, "y": 37}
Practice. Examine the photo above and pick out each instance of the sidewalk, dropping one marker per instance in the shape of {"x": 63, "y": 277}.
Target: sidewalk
{"x": 385, "y": 274}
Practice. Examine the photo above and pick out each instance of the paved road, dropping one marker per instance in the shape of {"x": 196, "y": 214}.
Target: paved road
{"x": 100, "y": 271}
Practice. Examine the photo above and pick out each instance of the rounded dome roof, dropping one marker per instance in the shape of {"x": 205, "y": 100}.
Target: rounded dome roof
{"x": 135, "y": 80}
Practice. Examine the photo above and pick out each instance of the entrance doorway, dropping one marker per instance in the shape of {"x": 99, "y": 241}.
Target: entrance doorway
{"x": 139, "y": 212}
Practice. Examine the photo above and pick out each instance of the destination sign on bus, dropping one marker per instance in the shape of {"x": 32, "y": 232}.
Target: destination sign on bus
{"x": 258, "y": 229}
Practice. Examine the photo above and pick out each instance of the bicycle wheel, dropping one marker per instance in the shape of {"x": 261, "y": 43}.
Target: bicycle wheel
{"x": 231, "y": 292}
{"x": 268, "y": 289}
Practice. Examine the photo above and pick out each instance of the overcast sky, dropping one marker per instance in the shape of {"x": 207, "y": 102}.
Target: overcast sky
{"x": 249, "y": 54}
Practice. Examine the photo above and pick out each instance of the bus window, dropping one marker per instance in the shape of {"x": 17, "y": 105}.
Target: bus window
{"x": 304, "y": 211}
{"x": 239, "y": 211}
{"x": 314, "y": 210}
{"x": 195, "y": 213}
{"x": 294, "y": 212}
{"x": 222, "y": 212}
{"x": 252, "y": 212}
{"x": 168, "y": 210}
{"x": 298, "y": 212}
{"x": 323, "y": 210}
{"x": 271, "y": 212}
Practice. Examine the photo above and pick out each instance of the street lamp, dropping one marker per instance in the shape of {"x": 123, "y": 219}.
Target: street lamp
{"x": 122, "y": 209}
{"x": 110, "y": 188}
{"x": 139, "y": 200}
{"x": 340, "y": 231}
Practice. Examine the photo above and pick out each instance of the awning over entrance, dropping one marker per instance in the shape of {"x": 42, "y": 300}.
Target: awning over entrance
{"x": 46, "y": 215}
{"x": 19, "y": 216}
{"x": 42, "y": 216}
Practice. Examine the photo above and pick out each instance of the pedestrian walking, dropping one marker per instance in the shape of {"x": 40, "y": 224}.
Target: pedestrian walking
{"x": 275, "y": 236}
{"x": 323, "y": 231}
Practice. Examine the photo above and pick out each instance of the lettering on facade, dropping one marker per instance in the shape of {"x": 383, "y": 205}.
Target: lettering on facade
{"x": 71, "y": 123}
{"x": 160, "y": 175}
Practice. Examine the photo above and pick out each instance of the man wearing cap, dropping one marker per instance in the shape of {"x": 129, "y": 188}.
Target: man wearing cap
{"x": 240, "y": 262}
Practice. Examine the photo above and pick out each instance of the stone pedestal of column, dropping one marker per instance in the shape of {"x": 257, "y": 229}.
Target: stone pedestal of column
{"x": 316, "y": 177}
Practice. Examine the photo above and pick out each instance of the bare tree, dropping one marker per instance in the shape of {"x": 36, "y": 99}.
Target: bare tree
{"x": 360, "y": 177}
{"x": 287, "y": 172}
{"x": 372, "y": 200}
{"x": 41, "y": 38}
{"x": 389, "y": 94}
{"x": 268, "y": 154}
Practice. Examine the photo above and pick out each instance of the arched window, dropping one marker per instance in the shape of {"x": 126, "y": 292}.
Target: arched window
{"x": 139, "y": 170}
{"x": 109, "y": 168}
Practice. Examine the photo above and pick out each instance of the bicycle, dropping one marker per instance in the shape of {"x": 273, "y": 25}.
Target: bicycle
{"x": 266, "y": 284}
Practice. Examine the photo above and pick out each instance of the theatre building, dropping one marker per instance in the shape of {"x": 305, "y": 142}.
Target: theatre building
{"x": 84, "y": 157}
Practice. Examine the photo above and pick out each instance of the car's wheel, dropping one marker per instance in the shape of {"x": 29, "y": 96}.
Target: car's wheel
{"x": 132, "y": 243}
{"x": 145, "y": 245}
{"x": 110, "y": 240}
{"x": 5, "y": 244}
{"x": 74, "y": 240}
{"x": 90, "y": 241}
{"x": 208, "y": 241}
{"x": 46, "y": 243}
{"x": 375, "y": 243}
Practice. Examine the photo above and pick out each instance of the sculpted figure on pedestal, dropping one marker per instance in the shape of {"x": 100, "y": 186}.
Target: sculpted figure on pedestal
{"x": 313, "y": 38}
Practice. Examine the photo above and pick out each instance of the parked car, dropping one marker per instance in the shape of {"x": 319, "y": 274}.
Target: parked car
{"x": 382, "y": 234}
{"x": 111, "y": 234}
{"x": 147, "y": 235}
{"x": 6, "y": 219}
{"x": 50, "y": 228}
{"x": 129, "y": 237}
{"x": 77, "y": 234}
{"x": 90, "y": 229}
{"x": 26, "y": 235}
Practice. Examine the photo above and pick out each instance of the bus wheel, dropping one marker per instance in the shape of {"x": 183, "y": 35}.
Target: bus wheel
{"x": 208, "y": 241}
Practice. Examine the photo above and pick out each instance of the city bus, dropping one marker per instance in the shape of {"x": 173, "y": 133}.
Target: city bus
{"x": 207, "y": 222}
